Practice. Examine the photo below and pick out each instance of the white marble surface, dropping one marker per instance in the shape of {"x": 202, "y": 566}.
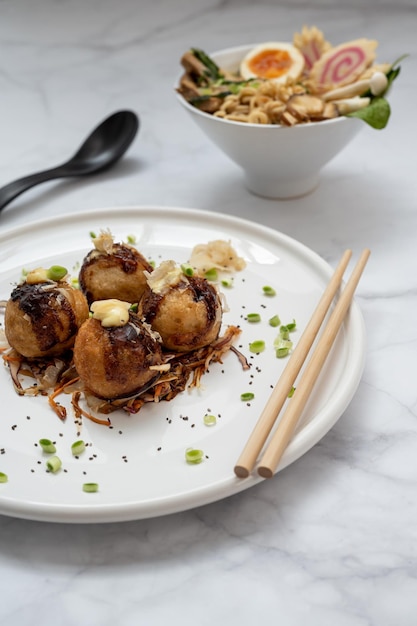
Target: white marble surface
{"x": 332, "y": 539}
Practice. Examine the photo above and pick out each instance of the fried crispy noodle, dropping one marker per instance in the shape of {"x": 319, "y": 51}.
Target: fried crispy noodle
{"x": 311, "y": 43}
{"x": 218, "y": 254}
{"x": 55, "y": 377}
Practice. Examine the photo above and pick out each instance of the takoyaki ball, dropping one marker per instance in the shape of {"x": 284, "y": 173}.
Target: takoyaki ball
{"x": 116, "y": 361}
{"x": 42, "y": 318}
{"x": 185, "y": 310}
{"x": 113, "y": 270}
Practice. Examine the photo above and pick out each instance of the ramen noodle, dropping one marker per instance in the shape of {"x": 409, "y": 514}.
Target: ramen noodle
{"x": 262, "y": 104}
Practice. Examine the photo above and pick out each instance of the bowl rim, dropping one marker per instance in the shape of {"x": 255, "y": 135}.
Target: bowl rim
{"x": 265, "y": 127}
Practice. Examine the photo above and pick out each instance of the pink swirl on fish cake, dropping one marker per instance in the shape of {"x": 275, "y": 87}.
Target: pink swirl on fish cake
{"x": 341, "y": 65}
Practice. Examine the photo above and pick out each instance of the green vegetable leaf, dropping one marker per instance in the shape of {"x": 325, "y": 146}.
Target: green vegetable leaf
{"x": 206, "y": 96}
{"x": 376, "y": 114}
{"x": 213, "y": 70}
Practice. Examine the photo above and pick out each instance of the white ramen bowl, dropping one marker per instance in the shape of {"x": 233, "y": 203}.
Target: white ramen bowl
{"x": 278, "y": 161}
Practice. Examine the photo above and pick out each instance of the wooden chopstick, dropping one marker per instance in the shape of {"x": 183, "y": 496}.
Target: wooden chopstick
{"x": 285, "y": 429}
{"x": 247, "y": 459}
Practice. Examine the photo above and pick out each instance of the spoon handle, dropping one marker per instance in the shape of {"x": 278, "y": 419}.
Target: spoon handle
{"x": 15, "y": 188}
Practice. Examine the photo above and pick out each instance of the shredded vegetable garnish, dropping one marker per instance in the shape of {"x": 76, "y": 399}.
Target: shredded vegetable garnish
{"x": 210, "y": 420}
{"x": 90, "y": 487}
{"x": 194, "y": 456}
{"x": 274, "y": 321}
{"x": 185, "y": 371}
{"x": 53, "y": 464}
{"x": 78, "y": 447}
{"x": 269, "y": 291}
{"x": 3, "y": 477}
{"x": 47, "y": 446}
{"x": 253, "y": 318}
{"x": 257, "y": 346}
{"x": 247, "y": 397}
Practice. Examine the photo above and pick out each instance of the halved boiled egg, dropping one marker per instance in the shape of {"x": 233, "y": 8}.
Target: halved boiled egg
{"x": 277, "y": 61}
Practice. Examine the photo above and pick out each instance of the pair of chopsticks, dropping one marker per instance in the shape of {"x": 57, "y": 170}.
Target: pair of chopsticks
{"x": 305, "y": 385}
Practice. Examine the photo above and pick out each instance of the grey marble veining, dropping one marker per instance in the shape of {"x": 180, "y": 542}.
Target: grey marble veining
{"x": 331, "y": 540}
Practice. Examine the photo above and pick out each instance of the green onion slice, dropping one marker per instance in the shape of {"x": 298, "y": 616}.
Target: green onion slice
{"x": 253, "y": 318}
{"x": 227, "y": 282}
{"x": 90, "y": 487}
{"x": 47, "y": 446}
{"x": 282, "y": 346}
{"x": 282, "y": 352}
{"x": 274, "y": 321}
{"x": 211, "y": 274}
{"x": 187, "y": 269}
{"x": 210, "y": 420}
{"x": 269, "y": 291}
{"x": 78, "y": 447}
{"x": 131, "y": 239}
{"x": 257, "y": 346}
{"x": 284, "y": 332}
{"x": 246, "y": 397}
{"x": 3, "y": 477}
{"x": 56, "y": 272}
{"x": 194, "y": 456}
{"x": 53, "y": 464}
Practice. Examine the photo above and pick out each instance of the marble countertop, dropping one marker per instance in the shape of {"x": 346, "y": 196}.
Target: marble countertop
{"x": 332, "y": 539}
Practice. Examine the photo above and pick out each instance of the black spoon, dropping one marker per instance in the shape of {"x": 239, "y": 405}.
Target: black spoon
{"x": 106, "y": 144}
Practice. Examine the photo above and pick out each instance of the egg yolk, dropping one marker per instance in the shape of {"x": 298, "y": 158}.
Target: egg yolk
{"x": 270, "y": 63}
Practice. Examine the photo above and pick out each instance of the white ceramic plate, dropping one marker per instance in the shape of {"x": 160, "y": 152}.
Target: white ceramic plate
{"x": 139, "y": 463}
